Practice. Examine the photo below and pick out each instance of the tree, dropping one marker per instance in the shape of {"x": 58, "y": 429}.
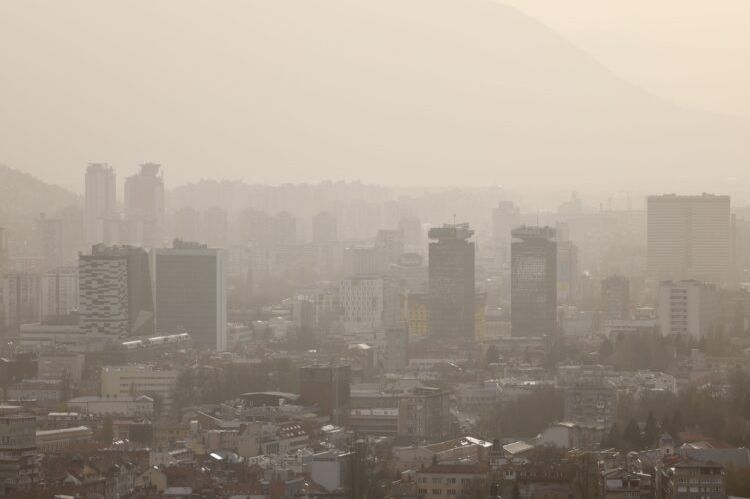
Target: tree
{"x": 491, "y": 356}
{"x": 107, "y": 433}
{"x": 631, "y": 437}
{"x": 651, "y": 431}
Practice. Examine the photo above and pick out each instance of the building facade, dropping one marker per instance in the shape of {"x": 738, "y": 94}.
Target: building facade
{"x": 533, "y": 282}
{"x": 451, "y": 295}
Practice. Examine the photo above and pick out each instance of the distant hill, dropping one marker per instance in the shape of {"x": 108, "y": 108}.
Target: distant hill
{"x": 23, "y": 197}
{"x": 455, "y": 91}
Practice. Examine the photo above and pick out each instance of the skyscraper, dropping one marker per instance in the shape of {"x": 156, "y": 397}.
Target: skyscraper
{"x": 688, "y": 308}
{"x": 100, "y": 210}
{"x": 115, "y": 291}
{"x": 144, "y": 206}
{"x": 505, "y": 217}
{"x": 615, "y": 300}
{"x": 324, "y": 228}
{"x": 533, "y": 281}
{"x": 451, "y": 293}
{"x": 190, "y": 288}
{"x": 689, "y": 237}
{"x": 328, "y": 386}
{"x": 50, "y": 239}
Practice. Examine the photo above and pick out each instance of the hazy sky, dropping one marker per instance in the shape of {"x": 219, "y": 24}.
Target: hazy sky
{"x": 127, "y": 82}
{"x": 696, "y": 52}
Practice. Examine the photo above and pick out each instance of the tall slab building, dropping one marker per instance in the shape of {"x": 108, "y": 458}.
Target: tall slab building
{"x": 190, "y": 290}
{"x": 144, "y": 206}
{"x": 115, "y": 291}
{"x": 100, "y": 210}
{"x": 533, "y": 281}
{"x": 689, "y": 237}
{"x": 451, "y": 295}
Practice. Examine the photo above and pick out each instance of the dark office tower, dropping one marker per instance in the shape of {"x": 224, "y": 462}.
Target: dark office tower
{"x": 533, "y": 281}
{"x": 190, "y": 288}
{"x": 100, "y": 210}
{"x": 284, "y": 229}
{"x": 451, "y": 282}
{"x": 187, "y": 224}
{"x": 115, "y": 295}
{"x": 50, "y": 241}
{"x": 216, "y": 227}
{"x": 615, "y": 298}
{"x": 391, "y": 243}
{"x": 325, "y": 228}
{"x": 689, "y": 237}
{"x": 329, "y": 387}
{"x": 144, "y": 206}
{"x": 4, "y": 256}
{"x": 412, "y": 229}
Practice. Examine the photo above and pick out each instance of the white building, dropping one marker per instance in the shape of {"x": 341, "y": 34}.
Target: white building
{"x": 478, "y": 397}
{"x": 689, "y": 237}
{"x": 329, "y": 469}
{"x": 688, "y": 308}
{"x": 124, "y": 382}
{"x": 58, "y": 292}
{"x": 361, "y": 301}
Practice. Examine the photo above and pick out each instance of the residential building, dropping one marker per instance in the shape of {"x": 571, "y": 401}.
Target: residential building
{"x": 58, "y": 292}
{"x": 689, "y": 237}
{"x": 19, "y": 300}
{"x": 688, "y": 308}
{"x": 331, "y": 469}
{"x": 144, "y": 206}
{"x": 100, "y": 210}
{"x": 453, "y": 480}
{"x": 57, "y": 440}
{"x": 684, "y": 478}
{"x": 424, "y": 415}
{"x": 18, "y": 453}
{"x": 324, "y": 228}
{"x": 591, "y": 403}
{"x": 615, "y": 298}
{"x": 50, "y": 240}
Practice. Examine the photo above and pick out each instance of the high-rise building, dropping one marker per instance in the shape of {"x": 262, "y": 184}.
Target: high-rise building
{"x": 424, "y": 415}
{"x": 100, "y": 211}
{"x": 325, "y": 228}
{"x": 4, "y": 256}
{"x": 689, "y": 237}
{"x": 284, "y": 229}
{"x": 187, "y": 223}
{"x": 58, "y": 292}
{"x": 688, "y": 308}
{"x": 328, "y": 386}
{"x": 19, "y": 300}
{"x": 361, "y": 302}
{"x": 451, "y": 293}
{"x": 50, "y": 242}
{"x": 216, "y": 227}
{"x": 18, "y": 453}
{"x": 144, "y": 206}
{"x": 412, "y": 229}
{"x": 391, "y": 243}
{"x": 115, "y": 291}
{"x": 615, "y": 300}
{"x": 190, "y": 289}
{"x": 363, "y": 260}
{"x": 533, "y": 281}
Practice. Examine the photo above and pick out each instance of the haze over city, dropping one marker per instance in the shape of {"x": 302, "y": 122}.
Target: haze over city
{"x": 374, "y": 249}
